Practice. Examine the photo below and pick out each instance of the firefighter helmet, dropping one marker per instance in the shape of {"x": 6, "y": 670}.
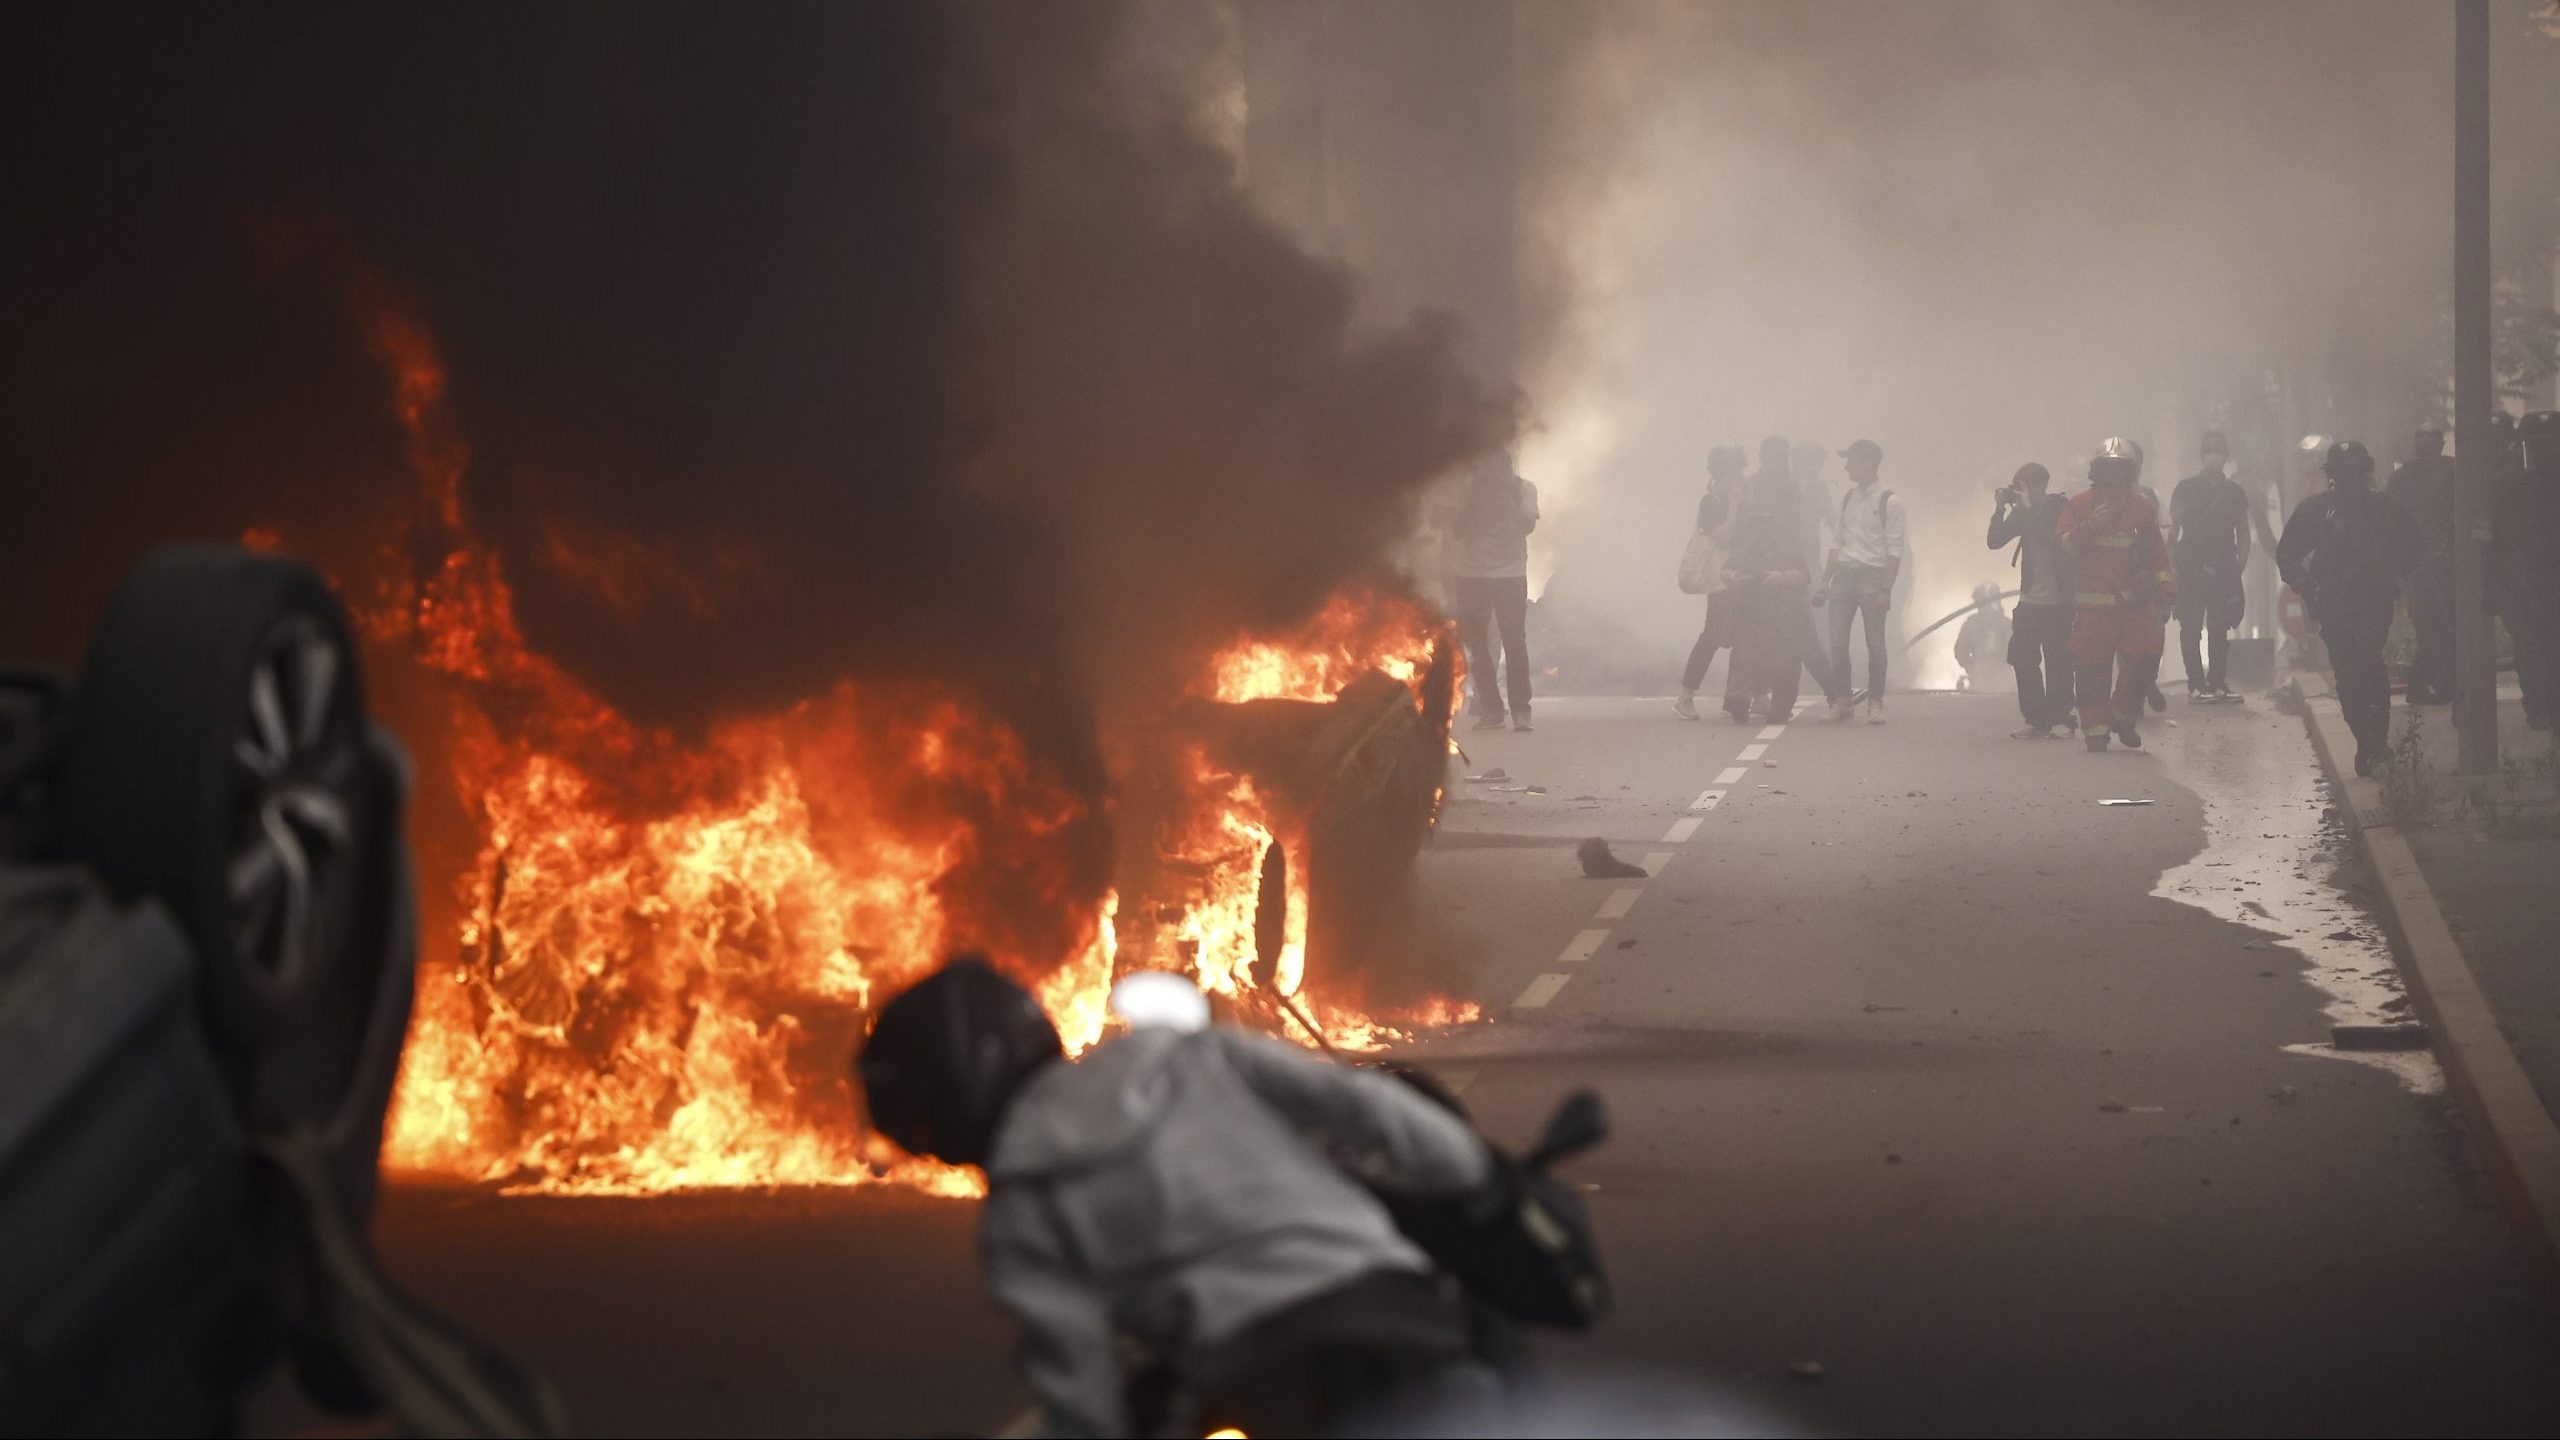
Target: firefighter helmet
{"x": 2118, "y": 462}
{"x": 2348, "y": 461}
{"x": 2538, "y": 443}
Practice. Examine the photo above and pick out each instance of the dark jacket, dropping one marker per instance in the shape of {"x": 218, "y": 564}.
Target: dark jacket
{"x": 2350, "y": 541}
{"x": 2014, "y": 523}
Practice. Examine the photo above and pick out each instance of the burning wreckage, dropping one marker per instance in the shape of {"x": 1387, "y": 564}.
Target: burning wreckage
{"x": 651, "y": 956}
{"x": 1350, "y": 788}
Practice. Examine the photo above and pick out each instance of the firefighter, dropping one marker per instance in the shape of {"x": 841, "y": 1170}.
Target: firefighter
{"x": 2344, "y": 552}
{"x": 1982, "y": 642}
{"x": 2122, "y": 589}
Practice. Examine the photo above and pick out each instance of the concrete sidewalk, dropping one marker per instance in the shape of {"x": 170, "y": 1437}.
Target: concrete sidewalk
{"x": 2491, "y": 851}
{"x": 2469, "y": 868}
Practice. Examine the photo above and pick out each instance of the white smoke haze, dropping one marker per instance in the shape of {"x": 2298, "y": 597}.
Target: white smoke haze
{"x": 1978, "y": 234}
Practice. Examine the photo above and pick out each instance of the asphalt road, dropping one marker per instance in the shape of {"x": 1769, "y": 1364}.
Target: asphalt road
{"x": 2007, "y": 1110}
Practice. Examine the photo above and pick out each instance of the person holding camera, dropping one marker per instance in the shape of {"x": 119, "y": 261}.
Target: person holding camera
{"x": 2023, "y": 514}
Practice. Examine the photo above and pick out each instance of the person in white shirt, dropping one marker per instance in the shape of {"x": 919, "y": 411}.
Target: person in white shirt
{"x": 1871, "y": 540}
{"x": 1489, "y": 526}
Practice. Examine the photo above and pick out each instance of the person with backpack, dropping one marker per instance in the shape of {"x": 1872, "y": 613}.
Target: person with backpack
{"x": 1715, "y": 518}
{"x": 1873, "y": 536}
{"x": 2343, "y": 552}
{"x": 2122, "y": 587}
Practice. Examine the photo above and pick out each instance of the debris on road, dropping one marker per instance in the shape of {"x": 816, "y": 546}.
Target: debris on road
{"x": 1489, "y": 777}
{"x": 1768, "y": 764}
{"x": 1628, "y": 944}
{"x": 1599, "y": 864}
{"x": 1879, "y": 1009}
{"x": 2128, "y": 802}
{"x": 2112, "y": 1107}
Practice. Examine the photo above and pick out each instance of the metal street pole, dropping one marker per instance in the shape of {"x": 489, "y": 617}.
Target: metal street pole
{"x": 2475, "y": 697}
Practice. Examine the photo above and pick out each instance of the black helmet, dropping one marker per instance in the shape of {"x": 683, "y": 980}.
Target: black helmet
{"x": 2118, "y": 462}
{"x": 2538, "y": 442}
{"x": 2348, "y": 460}
{"x": 945, "y": 1059}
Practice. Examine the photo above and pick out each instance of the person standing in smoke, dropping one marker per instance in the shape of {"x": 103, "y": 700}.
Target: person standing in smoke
{"x": 1866, "y": 559}
{"x": 2122, "y": 585}
{"x": 2525, "y": 549}
{"x": 2040, "y": 632}
{"x": 1807, "y": 459}
{"x": 1489, "y": 577}
{"x": 1765, "y": 582}
{"x": 2209, "y": 543}
{"x": 2344, "y": 552}
{"x": 1715, "y": 515}
{"x": 2423, "y": 486}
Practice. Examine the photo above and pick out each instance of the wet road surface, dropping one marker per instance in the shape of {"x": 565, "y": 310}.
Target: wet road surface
{"x": 2008, "y": 1110}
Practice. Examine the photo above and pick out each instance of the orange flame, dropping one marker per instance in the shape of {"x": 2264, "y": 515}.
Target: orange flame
{"x": 668, "y": 952}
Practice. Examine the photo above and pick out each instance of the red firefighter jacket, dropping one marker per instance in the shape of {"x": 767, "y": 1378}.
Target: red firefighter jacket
{"x": 2118, "y": 557}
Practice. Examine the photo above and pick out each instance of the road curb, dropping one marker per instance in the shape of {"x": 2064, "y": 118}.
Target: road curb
{"x": 2517, "y": 1134}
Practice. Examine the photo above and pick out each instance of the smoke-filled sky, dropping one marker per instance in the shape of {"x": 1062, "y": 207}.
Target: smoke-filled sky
{"x": 1981, "y": 234}
{"x": 909, "y": 340}
{"x": 946, "y": 340}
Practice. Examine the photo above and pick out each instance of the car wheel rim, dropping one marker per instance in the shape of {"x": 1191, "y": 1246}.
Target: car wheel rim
{"x": 296, "y": 766}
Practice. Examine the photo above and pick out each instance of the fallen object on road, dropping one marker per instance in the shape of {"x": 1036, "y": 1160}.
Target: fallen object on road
{"x": 2128, "y": 802}
{"x": 1599, "y": 864}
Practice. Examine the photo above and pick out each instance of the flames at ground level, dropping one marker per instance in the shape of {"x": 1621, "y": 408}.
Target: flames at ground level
{"x": 667, "y": 953}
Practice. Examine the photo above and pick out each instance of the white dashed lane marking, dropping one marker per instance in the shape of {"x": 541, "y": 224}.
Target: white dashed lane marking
{"x": 1540, "y": 991}
{"x": 1584, "y": 946}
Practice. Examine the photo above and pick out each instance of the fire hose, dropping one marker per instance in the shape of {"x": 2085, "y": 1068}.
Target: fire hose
{"x": 1959, "y": 614}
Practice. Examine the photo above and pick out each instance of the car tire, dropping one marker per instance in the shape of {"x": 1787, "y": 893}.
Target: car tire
{"x": 219, "y": 762}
